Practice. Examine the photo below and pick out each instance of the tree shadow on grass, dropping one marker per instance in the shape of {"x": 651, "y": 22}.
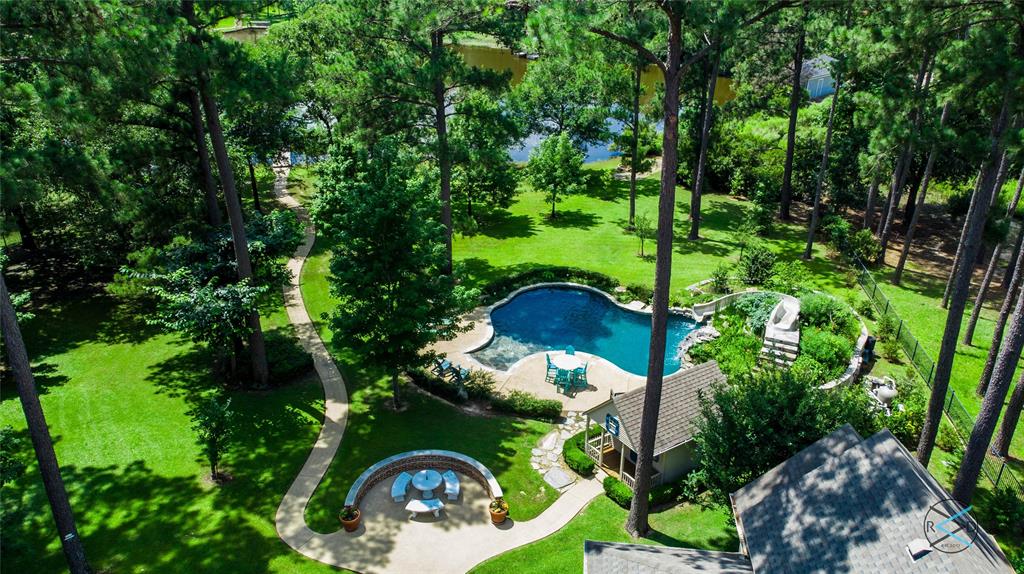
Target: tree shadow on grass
{"x": 574, "y": 218}
{"x": 727, "y": 543}
{"x": 501, "y": 224}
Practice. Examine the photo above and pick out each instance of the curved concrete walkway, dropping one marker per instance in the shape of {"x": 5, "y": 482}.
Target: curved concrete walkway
{"x": 420, "y": 553}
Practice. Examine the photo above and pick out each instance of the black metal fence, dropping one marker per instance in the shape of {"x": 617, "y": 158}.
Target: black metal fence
{"x": 962, "y": 421}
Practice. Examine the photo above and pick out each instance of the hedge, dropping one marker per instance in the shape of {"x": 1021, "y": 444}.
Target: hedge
{"x": 623, "y": 495}
{"x": 528, "y": 405}
{"x": 575, "y": 456}
{"x": 501, "y": 288}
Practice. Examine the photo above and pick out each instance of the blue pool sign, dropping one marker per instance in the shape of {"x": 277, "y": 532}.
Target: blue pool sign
{"x": 611, "y": 424}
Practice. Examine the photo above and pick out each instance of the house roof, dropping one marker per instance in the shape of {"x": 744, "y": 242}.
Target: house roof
{"x": 795, "y": 467}
{"x": 815, "y": 67}
{"x": 617, "y": 558}
{"x": 855, "y": 511}
{"x": 680, "y": 405}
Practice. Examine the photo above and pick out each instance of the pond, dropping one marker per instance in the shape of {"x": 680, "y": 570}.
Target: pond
{"x": 550, "y": 318}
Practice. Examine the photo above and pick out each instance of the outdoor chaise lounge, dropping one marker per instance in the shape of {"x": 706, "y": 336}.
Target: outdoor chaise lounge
{"x": 400, "y": 487}
{"x": 417, "y": 506}
{"x": 451, "y": 485}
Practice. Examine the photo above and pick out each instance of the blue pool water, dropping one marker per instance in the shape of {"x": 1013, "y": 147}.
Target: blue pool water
{"x": 548, "y": 319}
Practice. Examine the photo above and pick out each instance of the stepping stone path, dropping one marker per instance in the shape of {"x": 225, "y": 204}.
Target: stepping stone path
{"x": 546, "y": 457}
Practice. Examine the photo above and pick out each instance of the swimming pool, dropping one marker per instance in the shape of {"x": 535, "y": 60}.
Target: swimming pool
{"x": 549, "y": 318}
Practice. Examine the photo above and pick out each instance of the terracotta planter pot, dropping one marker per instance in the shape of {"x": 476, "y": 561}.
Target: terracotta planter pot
{"x": 498, "y": 516}
{"x": 351, "y": 525}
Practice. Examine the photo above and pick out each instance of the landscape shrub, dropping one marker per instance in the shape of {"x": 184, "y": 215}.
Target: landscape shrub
{"x": 574, "y": 455}
{"x": 830, "y": 350}
{"x": 663, "y": 494}
{"x": 755, "y": 266}
{"x": 735, "y": 349}
{"x": 947, "y": 439}
{"x": 757, "y": 308}
{"x": 886, "y": 327}
{"x": 906, "y": 423}
{"x": 623, "y": 495}
{"x": 788, "y": 277}
{"x": 864, "y": 246}
{"x": 618, "y": 491}
{"x": 527, "y": 405}
{"x": 958, "y": 196}
{"x": 692, "y": 485}
{"x": 438, "y": 386}
{"x": 286, "y": 358}
{"x": 479, "y": 384}
{"x": 865, "y": 308}
{"x": 808, "y": 368}
{"x": 828, "y": 313}
{"x": 720, "y": 279}
{"x": 1006, "y": 511}
{"x": 501, "y": 288}
{"x": 640, "y": 292}
{"x": 891, "y": 350}
{"x": 837, "y": 230}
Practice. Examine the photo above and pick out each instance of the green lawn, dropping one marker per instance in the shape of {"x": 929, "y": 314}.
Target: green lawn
{"x": 375, "y": 431}
{"x": 116, "y": 393}
{"x": 685, "y": 525}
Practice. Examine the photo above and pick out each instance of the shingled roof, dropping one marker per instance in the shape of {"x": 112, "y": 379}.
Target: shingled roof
{"x": 855, "y": 511}
{"x": 680, "y": 405}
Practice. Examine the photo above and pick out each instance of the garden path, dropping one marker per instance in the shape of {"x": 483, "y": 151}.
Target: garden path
{"x": 403, "y": 545}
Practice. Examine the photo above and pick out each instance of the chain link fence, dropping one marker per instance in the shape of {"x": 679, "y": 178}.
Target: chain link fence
{"x": 962, "y": 421}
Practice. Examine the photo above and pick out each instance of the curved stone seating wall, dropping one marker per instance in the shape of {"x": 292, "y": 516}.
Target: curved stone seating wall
{"x": 416, "y": 460}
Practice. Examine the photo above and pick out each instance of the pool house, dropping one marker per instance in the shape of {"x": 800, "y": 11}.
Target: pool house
{"x": 615, "y": 448}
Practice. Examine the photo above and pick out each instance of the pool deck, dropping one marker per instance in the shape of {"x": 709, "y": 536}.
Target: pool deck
{"x": 527, "y": 374}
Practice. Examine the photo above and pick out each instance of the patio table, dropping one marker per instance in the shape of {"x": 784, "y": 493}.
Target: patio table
{"x": 566, "y": 362}
{"x": 427, "y": 481}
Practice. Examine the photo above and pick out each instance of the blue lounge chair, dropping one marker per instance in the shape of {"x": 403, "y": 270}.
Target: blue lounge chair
{"x": 563, "y": 380}
{"x": 570, "y": 350}
{"x": 441, "y": 366}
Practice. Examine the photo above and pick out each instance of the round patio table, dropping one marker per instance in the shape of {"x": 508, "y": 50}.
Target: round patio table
{"x": 566, "y": 362}
{"x": 427, "y": 481}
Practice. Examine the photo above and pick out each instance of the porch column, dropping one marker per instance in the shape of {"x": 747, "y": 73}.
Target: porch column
{"x": 586, "y": 434}
{"x": 622, "y": 459}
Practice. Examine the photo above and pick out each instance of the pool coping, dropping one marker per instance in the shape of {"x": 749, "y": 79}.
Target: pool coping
{"x": 488, "y": 335}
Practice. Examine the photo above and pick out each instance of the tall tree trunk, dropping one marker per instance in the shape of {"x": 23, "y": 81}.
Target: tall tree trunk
{"x": 444, "y": 162}
{"x": 887, "y": 201}
{"x": 255, "y": 187}
{"x": 914, "y": 185}
{"x": 822, "y": 169}
{"x": 795, "y": 95}
{"x": 28, "y": 239}
{"x": 958, "y": 259}
{"x": 869, "y": 209}
{"x": 1008, "y": 273}
{"x": 638, "y": 69}
{"x": 702, "y": 160}
{"x": 39, "y": 432}
{"x": 988, "y": 416}
{"x": 921, "y": 194}
{"x": 1011, "y": 416}
{"x": 976, "y": 215}
{"x": 203, "y": 153}
{"x": 993, "y": 262}
{"x": 636, "y": 522}
{"x": 257, "y": 346}
{"x": 1000, "y": 327}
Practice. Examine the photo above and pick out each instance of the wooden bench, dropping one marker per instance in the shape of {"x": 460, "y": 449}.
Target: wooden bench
{"x": 400, "y": 487}
{"x": 451, "y": 485}
{"x": 417, "y": 506}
